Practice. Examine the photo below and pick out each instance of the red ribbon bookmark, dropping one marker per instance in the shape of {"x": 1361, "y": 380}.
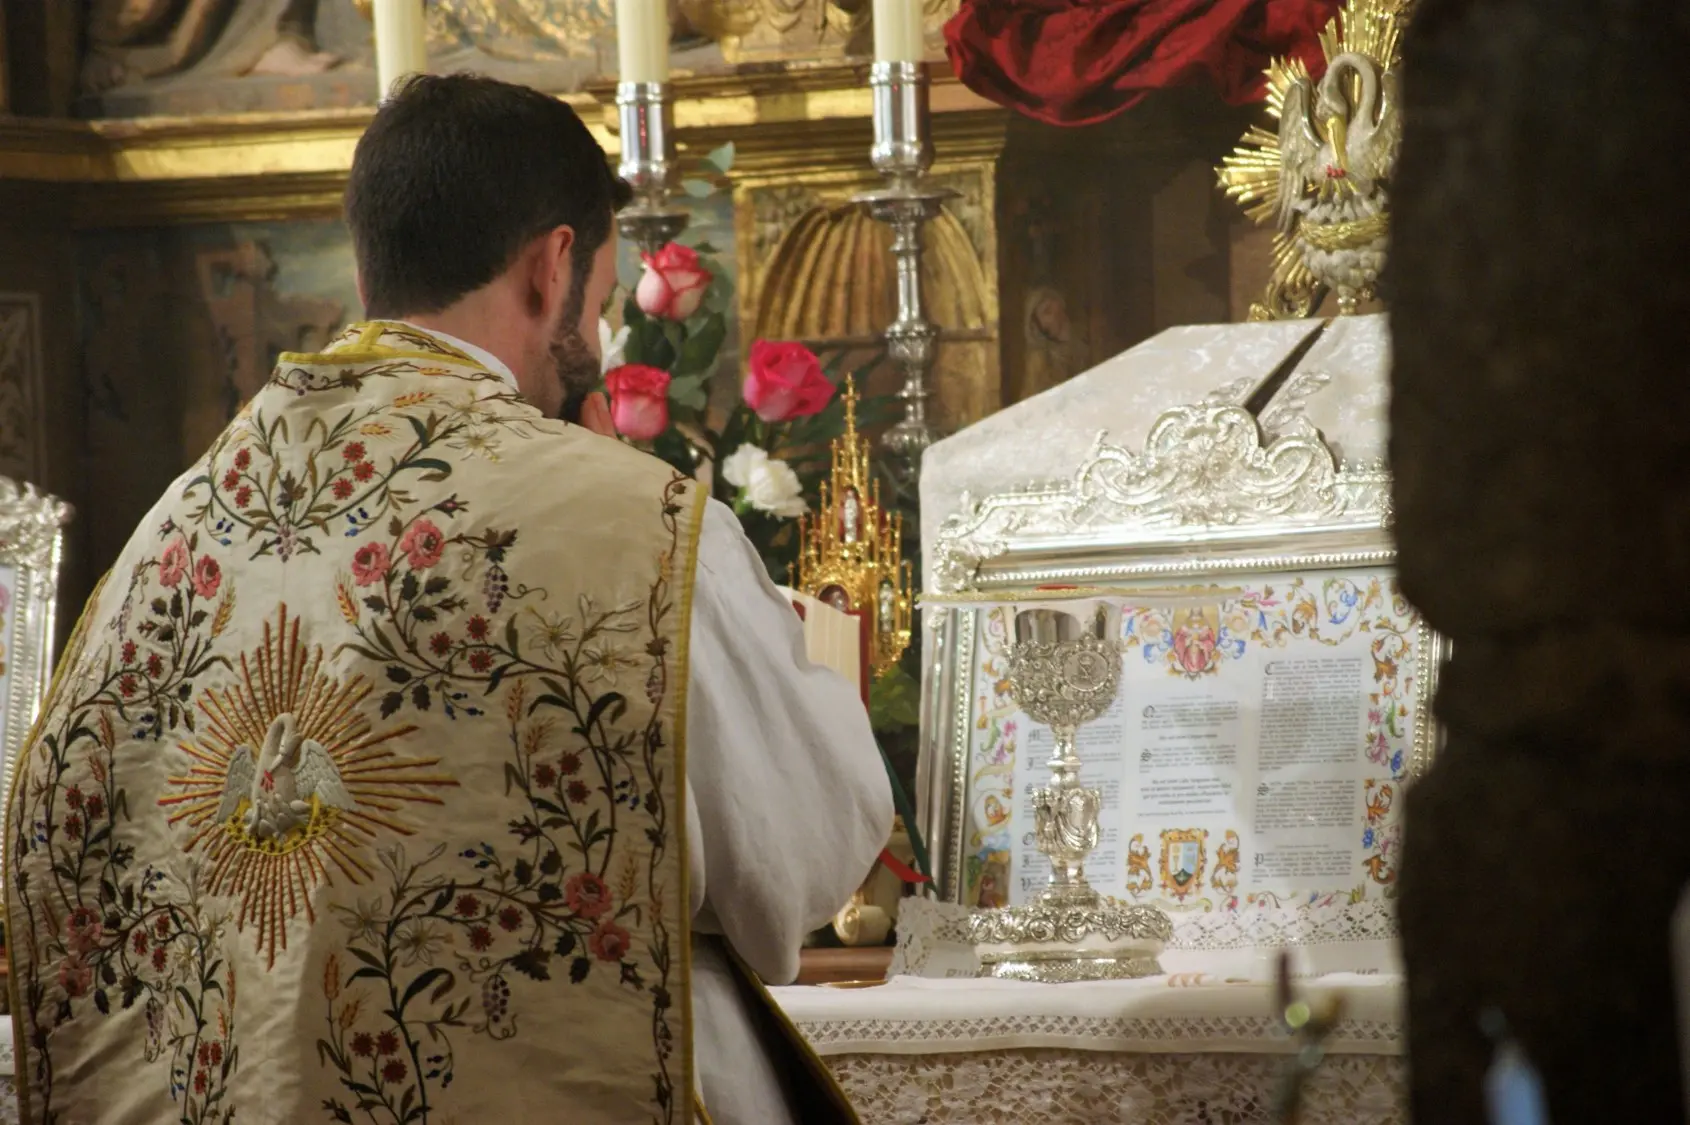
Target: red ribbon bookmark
{"x": 897, "y": 867}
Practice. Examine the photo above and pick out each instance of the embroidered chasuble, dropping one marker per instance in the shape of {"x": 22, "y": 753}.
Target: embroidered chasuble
{"x": 359, "y": 795}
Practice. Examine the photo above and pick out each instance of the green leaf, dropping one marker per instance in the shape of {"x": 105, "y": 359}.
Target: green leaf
{"x": 894, "y": 701}
{"x": 721, "y": 159}
{"x": 419, "y": 984}
{"x": 700, "y": 348}
{"x": 698, "y": 189}
{"x": 688, "y": 391}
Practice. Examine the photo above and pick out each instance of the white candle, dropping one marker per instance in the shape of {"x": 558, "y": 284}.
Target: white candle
{"x": 642, "y": 40}
{"x": 897, "y": 31}
{"x": 401, "y": 42}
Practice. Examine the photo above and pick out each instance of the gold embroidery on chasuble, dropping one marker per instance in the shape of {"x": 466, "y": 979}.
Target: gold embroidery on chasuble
{"x": 362, "y": 741}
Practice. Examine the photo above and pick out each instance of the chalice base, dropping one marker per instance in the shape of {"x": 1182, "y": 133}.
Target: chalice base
{"x": 1054, "y": 944}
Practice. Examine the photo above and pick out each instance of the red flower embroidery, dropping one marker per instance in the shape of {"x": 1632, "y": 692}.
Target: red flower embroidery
{"x": 231, "y": 481}
{"x": 162, "y": 926}
{"x": 199, "y": 1082}
{"x": 469, "y": 906}
{"x": 205, "y": 1054}
{"x": 173, "y": 564}
{"x": 159, "y": 958}
{"x": 394, "y": 1071}
{"x": 480, "y": 660}
{"x": 609, "y": 942}
{"x": 126, "y": 684}
{"x": 242, "y": 459}
{"x": 363, "y": 1045}
{"x": 243, "y": 496}
{"x": 129, "y": 652}
{"x": 480, "y": 937}
{"x": 422, "y": 544}
{"x": 73, "y": 826}
{"x": 96, "y": 807}
{"x": 75, "y": 976}
{"x": 544, "y": 776}
{"x": 570, "y": 764}
{"x": 477, "y": 627}
{"x": 578, "y": 791}
{"x": 354, "y": 451}
{"x": 387, "y": 1043}
{"x": 342, "y": 488}
{"x": 73, "y": 796}
{"x": 441, "y": 643}
{"x": 208, "y": 576}
{"x": 216, "y": 1053}
{"x": 510, "y": 918}
{"x": 587, "y": 895}
{"x": 363, "y": 470}
{"x": 140, "y": 942}
{"x": 155, "y": 665}
{"x": 369, "y": 564}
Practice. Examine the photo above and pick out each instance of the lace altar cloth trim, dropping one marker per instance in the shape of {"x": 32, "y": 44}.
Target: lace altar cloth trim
{"x": 1158, "y": 1015}
{"x": 1055, "y": 1087}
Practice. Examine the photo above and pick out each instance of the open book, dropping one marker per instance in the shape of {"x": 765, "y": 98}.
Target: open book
{"x": 835, "y": 639}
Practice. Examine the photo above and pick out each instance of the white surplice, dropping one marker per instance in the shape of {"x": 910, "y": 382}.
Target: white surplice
{"x": 788, "y": 805}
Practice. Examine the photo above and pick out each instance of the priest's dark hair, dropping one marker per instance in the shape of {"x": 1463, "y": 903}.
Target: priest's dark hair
{"x": 456, "y": 174}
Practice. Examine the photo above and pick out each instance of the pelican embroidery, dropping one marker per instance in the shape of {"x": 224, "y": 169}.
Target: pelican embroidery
{"x": 282, "y": 783}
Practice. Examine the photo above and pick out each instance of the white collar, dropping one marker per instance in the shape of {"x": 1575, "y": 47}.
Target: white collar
{"x": 481, "y": 355}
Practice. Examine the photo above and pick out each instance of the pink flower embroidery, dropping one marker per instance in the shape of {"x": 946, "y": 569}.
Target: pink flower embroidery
{"x": 173, "y": 564}
{"x": 609, "y": 942}
{"x": 369, "y": 564}
{"x": 208, "y": 576}
{"x": 423, "y": 545}
{"x": 587, "y": 895}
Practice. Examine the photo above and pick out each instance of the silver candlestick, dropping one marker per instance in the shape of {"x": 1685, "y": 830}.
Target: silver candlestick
{"x": 646, "y": 113}
{"x": 1064, "y": 671}
{"x": 903, "y": 152}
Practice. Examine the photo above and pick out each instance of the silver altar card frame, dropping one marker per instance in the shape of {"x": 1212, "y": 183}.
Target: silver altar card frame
{"x": 31, "y": 543}
{"x": 1207, "y": 498}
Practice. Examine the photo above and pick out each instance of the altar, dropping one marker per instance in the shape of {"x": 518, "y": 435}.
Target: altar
{"x": 1250, "y": 790}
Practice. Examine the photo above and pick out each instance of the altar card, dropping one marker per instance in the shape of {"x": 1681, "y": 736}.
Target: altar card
{"x": 1254, "y": 757}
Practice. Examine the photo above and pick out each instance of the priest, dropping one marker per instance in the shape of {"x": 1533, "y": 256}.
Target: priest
{"x": 426, "y": 757}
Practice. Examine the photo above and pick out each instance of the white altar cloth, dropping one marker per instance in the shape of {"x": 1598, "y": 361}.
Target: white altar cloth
{"x": 1167, "y": 1050}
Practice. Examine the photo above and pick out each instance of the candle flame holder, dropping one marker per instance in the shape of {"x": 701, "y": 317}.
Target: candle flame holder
{"x": 903, "y": 153}
{"x": 645, "y": 112}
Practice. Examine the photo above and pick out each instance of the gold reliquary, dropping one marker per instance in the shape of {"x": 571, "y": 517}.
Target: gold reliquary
{"x": 850, "y": 551}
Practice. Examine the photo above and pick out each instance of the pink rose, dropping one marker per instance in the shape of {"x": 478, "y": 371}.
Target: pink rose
{"x": 673, "y": 284}
{"x": 785, "y": 381}
{"x": 207, "y": 577}
{"x": 173, "y": 564}
{"x": 609, "y": 942}
{"x": 369, "y": 564}
{"x": 423, "y": 545}
{"x": 639, "y": 400}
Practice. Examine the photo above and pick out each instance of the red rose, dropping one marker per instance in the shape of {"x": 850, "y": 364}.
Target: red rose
{"x": 423, "y": 545}
{"x": 369, "y": 564}
{"x": 207, "y": 577}
{"x": 639, "y": 400}
{"x": 785, "y": 381}
{"x": 609, "y": 942}
{"x": 673, "y": 284}
{"x": 587, "y": 895}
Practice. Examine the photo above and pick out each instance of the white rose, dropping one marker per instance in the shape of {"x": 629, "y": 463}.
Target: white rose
{"x": 611, "y": 345}
{"x": 737, "y": 469}
{"x": 774, "y": 488}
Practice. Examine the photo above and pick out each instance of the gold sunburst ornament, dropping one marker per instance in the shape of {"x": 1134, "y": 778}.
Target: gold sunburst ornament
{"x": 850, "y": 552}
{"x": 1323, "y": 178}
{"x": 289, "y": 783}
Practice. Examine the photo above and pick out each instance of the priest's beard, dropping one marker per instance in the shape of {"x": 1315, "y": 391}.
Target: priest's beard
{"x": 576, "y": 365}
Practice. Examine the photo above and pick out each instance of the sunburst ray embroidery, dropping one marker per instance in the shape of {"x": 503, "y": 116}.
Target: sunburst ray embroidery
{"x": 289, "y": 783}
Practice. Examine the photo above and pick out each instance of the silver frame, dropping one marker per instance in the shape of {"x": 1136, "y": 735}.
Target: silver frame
{"x": 31, "y": 543}
{"x": 1206, "y": 496}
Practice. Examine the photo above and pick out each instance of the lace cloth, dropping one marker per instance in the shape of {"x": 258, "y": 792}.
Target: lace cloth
{"x": 1073, "y": 1087}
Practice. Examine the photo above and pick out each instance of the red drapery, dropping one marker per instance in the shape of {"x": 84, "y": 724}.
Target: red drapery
{"x": 1076, "y": 62}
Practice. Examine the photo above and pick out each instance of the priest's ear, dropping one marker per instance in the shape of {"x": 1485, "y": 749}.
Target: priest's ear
{"x": 546, "y": 264}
